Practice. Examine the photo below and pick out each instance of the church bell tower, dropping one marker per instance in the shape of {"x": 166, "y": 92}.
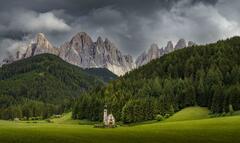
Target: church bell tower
{"x": 105, "y": 116}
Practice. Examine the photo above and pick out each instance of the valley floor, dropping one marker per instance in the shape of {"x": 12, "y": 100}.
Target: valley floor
{"x": 210, "y": 130}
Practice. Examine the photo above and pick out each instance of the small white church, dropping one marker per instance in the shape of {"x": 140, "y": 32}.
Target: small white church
{"x": 108, "y": 120}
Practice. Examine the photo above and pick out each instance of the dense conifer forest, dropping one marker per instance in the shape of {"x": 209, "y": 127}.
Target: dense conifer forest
{"x": 44, "y": 85}
{"x": 207, "y": 75}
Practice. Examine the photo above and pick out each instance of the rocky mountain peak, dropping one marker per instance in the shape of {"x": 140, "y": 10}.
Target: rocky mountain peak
{"x": 80, "y": 51}
{"x": 145, "y": 57}
{"x": 42, "y": 42}
{"x": 128, "y": 58}
{"x": 109, "y": 45}
{"x": 181, "y": 44}
{"x": 100, "y": 40}
{"x": 140, "y": 59}
{"x": 85, "y": 53}
{"x": 191, "y": 43}
{"x": 153, "y": 47}
{"x": 107, "y": 41}
{"x": 169, "y": 47}
{"x": 81, "y": 40}
{"x": 154, "y": 52}
{"x": 39, "y": 46}
{"x": 81, "y": 35}
{"x": 40, "y": 37}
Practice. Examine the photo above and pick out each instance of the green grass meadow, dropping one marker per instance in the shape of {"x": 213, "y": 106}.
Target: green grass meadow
{"x": 191, "y": 113}
{"x": 176, "y": 129}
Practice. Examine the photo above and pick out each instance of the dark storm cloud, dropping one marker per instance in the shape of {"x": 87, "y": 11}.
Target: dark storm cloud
{"x": 77, "y": 7}
{"x": 131, "y": 24}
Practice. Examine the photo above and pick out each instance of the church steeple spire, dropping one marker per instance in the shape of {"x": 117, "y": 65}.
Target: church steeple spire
{"x": 105, "y": 116}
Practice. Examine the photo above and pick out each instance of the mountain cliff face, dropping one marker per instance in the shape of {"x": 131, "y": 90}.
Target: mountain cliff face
{"x": 181, "y": 44}
{"x": 80, "y": 51}
{"x": 41, "y": 45}
{"x": 154, "y": 52}
{"x": 169, "y": 48}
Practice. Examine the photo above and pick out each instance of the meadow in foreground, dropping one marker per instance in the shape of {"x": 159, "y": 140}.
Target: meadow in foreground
{"x": 224, "y": 129}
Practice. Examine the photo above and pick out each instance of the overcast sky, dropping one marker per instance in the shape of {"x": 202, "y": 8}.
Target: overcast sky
{"x": 133, "y": 25}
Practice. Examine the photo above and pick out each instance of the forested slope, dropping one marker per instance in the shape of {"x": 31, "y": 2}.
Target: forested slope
{"x": 43, "y": 85}
{"x": 207, "y": 76}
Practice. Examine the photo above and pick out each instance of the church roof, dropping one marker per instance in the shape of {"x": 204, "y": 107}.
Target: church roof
{"x": 110, "y": 115}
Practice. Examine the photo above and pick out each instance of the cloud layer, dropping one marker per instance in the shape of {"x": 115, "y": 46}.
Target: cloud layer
{"x": 28, "y": 21}
{"x": 131, "y": 25}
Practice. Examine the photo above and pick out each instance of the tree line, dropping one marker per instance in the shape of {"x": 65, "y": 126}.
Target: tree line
{"x": 207, "y": 76}
{"x": 41, "y": 86}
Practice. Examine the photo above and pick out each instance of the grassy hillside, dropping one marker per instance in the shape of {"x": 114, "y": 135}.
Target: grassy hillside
{"x": 43, "y": 85}
{"x": 204, "y": 75}
{"x": 214, "y": 130}
{"x": 67, "y": 119}
{"x": 190, "y": 113}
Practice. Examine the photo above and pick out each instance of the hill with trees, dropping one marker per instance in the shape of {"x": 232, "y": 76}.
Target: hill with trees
{"x": 205, "y": 75}
{"x": 44, "y": 85}
{"x": 102, "y": 73}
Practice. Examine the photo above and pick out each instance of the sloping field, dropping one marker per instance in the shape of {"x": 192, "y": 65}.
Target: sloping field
{"x": 190, "y": 113}
{"x": 214, "y": 130}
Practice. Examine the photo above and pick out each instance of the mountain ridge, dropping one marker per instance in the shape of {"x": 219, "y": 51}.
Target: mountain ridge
{"x": 82, "y": 51}
{"x": 155, "y": 52}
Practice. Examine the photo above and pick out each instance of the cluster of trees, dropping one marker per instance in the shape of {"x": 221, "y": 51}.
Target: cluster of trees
{"x": 30, "y": 109}
{"x": 41, "y": 86}
{"x": 207, "y": 76}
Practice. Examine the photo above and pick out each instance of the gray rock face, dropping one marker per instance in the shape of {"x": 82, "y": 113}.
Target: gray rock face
{"x": 142, "y": 59}
{"x": 80, "y": 51}
{"x": 169, "y": 47}
{"x": 191, "y": 43}
{"x": 154, "y": 52}
{"x": 83, "y": 52}
{"x": 40, "y": 45}
{"x": 180, "y": 44}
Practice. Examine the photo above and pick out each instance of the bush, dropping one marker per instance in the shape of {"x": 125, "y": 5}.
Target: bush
{"x": 167, "y": 115}
{"x": 159, "y": 117}
{"x": 49, "y": 121}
